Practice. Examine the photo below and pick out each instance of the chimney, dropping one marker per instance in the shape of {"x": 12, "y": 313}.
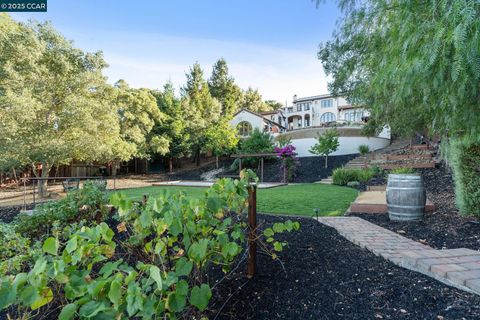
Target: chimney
{"x": 294, "y": 97}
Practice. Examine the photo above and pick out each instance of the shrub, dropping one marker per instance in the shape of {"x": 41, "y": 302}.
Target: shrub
{"x": 363, "y": 149}
{"x": 402, "y": 171}
{"x": 289, "y": 161}
{"x": 326, "y": 144}
{"x": 166, "y": 247}
{"x": 15, "y": 250}
{"x": 464, "y": 158}
{"x": 87, "y": 203}
{"x": 258, "y": 142}
{"x": 342, "y": 176}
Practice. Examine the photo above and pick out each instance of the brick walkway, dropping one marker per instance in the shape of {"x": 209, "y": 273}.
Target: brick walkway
{"x": 456, "y": 267}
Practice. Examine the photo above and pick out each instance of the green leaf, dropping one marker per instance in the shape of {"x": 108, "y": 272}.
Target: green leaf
{"x": 278, "y": 227}
{"x": 115, "y": 292}
{"x": 277, "y": 246}
{"x": 109, "y": 267}
{"x": 145, "y": 219}
{"x": 44, "y": 298}
{"x": 183, "y": 267}
{"x": 71, "y": 244}
{"x": 198, "y": 250}
{"x": 155, "y": 275}
{"x": 176, "y": 302}
{"x": 230, "y": 249}
{"x": 51, "y": 246}
{"x": 214, "y": 204}
{"x": 91, "y": 309}
{"x": 200, "y": 296}
{"x": 268, "y": 232}
{"x": 68, "y": 312}
{"x": 7, "y": 294}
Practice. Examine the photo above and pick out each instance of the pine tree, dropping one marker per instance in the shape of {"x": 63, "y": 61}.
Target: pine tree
{"x": 223, "y": 88}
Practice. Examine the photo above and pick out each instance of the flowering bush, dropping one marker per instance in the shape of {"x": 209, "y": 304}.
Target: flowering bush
{"x": 289, "y": 161}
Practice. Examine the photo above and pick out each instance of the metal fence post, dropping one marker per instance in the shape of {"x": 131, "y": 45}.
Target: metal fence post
{"x": 252, "y": 232}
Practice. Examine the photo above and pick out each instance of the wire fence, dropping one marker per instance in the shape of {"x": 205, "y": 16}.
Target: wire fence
{"x": 32, "y": 190}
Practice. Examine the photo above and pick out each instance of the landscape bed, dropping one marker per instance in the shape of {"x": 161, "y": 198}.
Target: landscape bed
{"x": 342, "y": 281}
{"x": 445, "y": 228}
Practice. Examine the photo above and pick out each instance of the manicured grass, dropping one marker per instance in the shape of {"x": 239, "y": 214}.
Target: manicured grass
{"x": 301, "y": 199}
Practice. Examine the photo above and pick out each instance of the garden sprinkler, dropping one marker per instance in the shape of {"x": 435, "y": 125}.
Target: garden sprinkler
{"x": 316, "y": 212}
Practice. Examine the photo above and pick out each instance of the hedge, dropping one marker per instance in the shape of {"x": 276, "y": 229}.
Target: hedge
{"x": 464, "y": 158}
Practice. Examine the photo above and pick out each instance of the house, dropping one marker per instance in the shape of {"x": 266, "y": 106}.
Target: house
{"x": 246, "y": 121}
{"x": 321, "y": 110}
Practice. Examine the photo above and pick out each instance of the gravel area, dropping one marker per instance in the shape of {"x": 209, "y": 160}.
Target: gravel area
{"x": 445, "y": 227}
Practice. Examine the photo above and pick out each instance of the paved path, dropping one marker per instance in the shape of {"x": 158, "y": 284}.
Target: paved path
{"x": 456, "y": 267}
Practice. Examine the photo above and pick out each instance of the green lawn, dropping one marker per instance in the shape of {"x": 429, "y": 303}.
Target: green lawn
{"x": 292, "y": 199}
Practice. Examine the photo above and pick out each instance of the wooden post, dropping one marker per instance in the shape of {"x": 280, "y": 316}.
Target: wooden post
{"x": 33, "y": 184}
{"x": 239, "y": 165}
{"x": 252, "y": 233}
{"x": 261, "y": 169}
{"x": 145, "y": 198}
{"x": 24, "y": 193}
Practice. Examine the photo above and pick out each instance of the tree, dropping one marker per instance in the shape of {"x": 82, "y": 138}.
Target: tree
{"x": 54, "y": 101}
{"x": 413, "y": 64}
{"x": 252, "y": 100}
{"x": 201, "y": 110}
{"x": 327, "y": 143}
{"x": 223, "y": 88}
{"x": 274, "y": 105}
{"x": 221, "y": 139}
{"x": 138, "y": 114}
{"x": 172, "y": 129}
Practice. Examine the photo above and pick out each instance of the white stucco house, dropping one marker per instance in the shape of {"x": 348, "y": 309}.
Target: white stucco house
{"x": 322, "y": 109}
{"x": 245, "y": 121}
{"x": 309, "y": 116}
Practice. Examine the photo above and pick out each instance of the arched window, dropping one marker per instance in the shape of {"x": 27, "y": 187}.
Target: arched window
{"x": 244, "y": 129}
{"x": 327, "y": 117}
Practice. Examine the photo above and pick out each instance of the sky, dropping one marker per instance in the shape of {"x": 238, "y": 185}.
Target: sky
{"x": 268, "y": 44}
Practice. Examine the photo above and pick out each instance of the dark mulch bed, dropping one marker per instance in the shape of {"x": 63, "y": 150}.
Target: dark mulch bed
{"x": 324, "y": 276}
{"x": 327, "y": 277}
{"x": 444, "y": 228}
{"x": 309, "y": 169}
{"x": 8, "y": 214}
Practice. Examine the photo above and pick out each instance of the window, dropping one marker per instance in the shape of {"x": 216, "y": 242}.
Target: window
{"x": 290, "y": 109}
{"x": 307, "y": 122}
{"x": 326, "y": 103}
{"x": 299, "y": 107}
{"x": 307, "y": 106}
{"x": 299, "y": 122}
{"x": 327, "y": 117}
{"x": 353, "y": 116}
{"x": 244, "y": 129}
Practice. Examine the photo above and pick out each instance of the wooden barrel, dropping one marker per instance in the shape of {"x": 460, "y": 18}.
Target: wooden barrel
{"x": 406, "y": 197}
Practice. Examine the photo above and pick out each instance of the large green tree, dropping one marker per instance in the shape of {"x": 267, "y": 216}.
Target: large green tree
{"x": 172, "y": 129}
{"x": 252, "y": 100}
{"x": 202, "y": 111}
{"x": 414, "y": 64}
{"x": 138, "y": 114}
{"x": 222, "y": 87}
{"x": 54, "y": 101}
